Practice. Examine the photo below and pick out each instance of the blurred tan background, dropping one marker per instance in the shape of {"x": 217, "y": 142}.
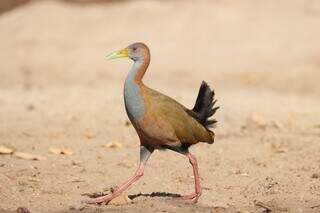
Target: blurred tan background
{"x": 57, "y": 90}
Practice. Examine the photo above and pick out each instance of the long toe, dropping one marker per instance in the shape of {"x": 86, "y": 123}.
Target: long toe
{"x": 98, "y": 200}
{"x": 192, "y": 198}
{"x": 189, "y": 196}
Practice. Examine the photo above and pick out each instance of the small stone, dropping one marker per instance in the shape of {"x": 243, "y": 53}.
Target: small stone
{"x": 72, "y": 208}
{"x": 22, "y": 210}
{"x": 30, "y": 107}
{"x": 62, "y": 151}
{"x": 315, "y": 175}
{"x": 114, "y": 145}
{"x": 5, "y": 150}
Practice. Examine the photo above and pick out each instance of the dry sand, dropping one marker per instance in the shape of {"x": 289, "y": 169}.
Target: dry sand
{"x": 57, "y": 90}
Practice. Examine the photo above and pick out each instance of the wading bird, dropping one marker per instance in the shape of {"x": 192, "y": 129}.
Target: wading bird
{"x": 160, "y": 121}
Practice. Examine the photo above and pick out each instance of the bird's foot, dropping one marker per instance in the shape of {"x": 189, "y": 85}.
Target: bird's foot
{"x": 102, "y": 199}
{"x": 192, "y": 198}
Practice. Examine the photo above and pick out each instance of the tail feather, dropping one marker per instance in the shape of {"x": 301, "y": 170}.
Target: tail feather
{"x": 204, "y": 106}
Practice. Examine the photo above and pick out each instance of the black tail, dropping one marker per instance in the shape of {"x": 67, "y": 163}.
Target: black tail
{"x": 204, "y": 107}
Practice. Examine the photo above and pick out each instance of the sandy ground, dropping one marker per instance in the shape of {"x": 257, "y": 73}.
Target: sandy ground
{"x": 57, "y": 90}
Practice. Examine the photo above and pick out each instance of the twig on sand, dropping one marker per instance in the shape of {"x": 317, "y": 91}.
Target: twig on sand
{"x": 263, "y": 205}
{"x": 315, "y": 206}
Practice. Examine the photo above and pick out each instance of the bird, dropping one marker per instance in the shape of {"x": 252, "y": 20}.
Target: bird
{"x": 160, "y": 121}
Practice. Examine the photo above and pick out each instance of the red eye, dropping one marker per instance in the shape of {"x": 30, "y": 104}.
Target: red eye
{"x": 134, "y": 49}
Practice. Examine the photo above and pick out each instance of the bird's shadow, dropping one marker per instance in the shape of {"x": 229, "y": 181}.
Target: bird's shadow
{"x": 155, "y": 194}
{"x": 133, "y": 196}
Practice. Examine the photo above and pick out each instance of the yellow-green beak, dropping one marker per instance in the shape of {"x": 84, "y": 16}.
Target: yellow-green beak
{"x": 118, "y": 54}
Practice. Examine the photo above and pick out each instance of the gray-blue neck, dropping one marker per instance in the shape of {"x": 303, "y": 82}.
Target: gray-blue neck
{"x": 133, "y": 72}
{"x": 132, "y": 94}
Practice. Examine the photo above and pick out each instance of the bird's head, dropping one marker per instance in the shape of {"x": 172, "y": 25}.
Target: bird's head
{"x": 136, "y": 51}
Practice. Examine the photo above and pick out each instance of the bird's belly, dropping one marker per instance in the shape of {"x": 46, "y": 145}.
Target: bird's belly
{"x": 155, "y": 131}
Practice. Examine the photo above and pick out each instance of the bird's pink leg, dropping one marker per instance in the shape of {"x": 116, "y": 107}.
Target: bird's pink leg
{"x": 198, "y": 190}
{"x": 144, "y": 156}
{"x": 106, "y": 198}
